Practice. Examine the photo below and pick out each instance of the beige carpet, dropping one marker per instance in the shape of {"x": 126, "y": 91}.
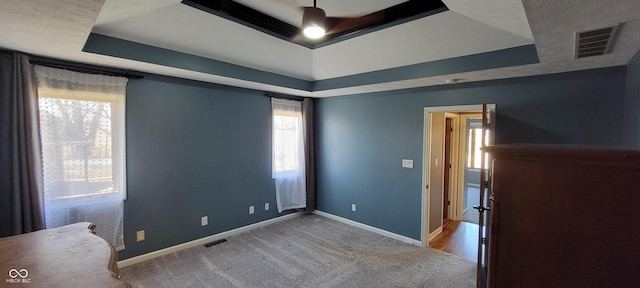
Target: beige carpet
{"x": 305, "y": 251}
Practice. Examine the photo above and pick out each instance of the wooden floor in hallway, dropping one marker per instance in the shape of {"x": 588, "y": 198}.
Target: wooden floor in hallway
{"x": 458, "y": 238}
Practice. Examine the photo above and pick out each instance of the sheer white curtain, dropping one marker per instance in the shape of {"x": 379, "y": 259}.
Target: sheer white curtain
{"x": 83, "y": 149}
{"x": 288, "y": 154}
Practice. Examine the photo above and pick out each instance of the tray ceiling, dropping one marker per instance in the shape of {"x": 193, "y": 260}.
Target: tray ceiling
{"x": 60, "y": 31}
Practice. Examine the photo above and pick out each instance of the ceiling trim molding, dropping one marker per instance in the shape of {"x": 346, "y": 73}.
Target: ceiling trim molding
{"x": 115, "y": 47}
{"x": 246, "y": 16}
{"x": 516, "y": 56}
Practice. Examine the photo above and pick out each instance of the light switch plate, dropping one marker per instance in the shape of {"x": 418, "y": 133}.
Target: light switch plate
{"x": 251, "y": 210}
{"x": 407, "y": 163}
{"x": 266, "y": 206}
{"x": 353, "y": 207}
{"x": 204, "y": 221}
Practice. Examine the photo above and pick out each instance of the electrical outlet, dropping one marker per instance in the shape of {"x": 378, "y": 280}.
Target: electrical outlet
{"x": 353, "y": 207}
{"x": 140, "y": 235}
{"x": 204, "y": 221}
{"x": 266, "y": 206}
{"x": 251, "y": 209}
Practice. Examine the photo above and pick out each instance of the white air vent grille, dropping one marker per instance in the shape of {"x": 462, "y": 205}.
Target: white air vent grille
{"x": 595, "y": 42}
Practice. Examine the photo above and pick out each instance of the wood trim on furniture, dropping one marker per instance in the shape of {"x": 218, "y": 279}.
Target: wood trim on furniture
{"x": 67, "y": 256}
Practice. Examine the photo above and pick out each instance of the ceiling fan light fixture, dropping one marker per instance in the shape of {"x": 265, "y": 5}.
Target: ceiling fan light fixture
{"x": 314, "y": 32}
{"x": 313, "y": 22}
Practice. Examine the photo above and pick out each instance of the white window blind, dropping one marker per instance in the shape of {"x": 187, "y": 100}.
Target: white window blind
{"x": 83, "y": 149}
{"x": 288, "y": 154}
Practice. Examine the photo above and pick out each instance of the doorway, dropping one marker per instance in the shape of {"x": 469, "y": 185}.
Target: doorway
{"x": 434, "y": 167}
{"x": 461, "y": 182}
{"x": 435, "y": 209}
{"x": 470, "y": 166}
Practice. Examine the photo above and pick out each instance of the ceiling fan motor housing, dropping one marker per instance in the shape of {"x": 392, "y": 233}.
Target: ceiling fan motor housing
{"x": 314, "y": 16}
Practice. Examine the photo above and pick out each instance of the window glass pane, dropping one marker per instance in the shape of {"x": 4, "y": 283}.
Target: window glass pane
{"x": 76, "y": 140}
{"x": 474, "y": 154}
{"x": 477, "y": 154}
{"x": 486, "y": 143}
{"x": 470, "y": 148}
{"x": 286, "y": 131}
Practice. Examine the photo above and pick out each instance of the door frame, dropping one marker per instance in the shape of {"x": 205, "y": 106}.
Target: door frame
{"x": 426, "y": 161}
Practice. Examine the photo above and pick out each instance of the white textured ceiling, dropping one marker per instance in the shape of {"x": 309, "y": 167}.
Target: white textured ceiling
{"x": 47, "y": 27}
{"x": 507, "y": 15}
{"x": 121, "y": 9}
{"x": 554, "y": 25}
{"x": 59, "y": 29}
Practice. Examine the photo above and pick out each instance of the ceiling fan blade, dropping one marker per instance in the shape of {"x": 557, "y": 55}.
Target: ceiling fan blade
{"x": 341, "y": 24}
{"x": 299, "y": 38}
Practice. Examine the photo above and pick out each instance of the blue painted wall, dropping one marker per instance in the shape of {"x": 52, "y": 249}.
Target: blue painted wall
{"x": 632, "y": 105}
{"x": 361, "y": 139}
{"x": 194, "y": 149}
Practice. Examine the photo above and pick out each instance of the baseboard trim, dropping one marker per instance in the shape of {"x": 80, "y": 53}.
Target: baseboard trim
{"x": 435, "y": 233}
{"x": 202, "y": 241}
{"x": 369, "y": 228}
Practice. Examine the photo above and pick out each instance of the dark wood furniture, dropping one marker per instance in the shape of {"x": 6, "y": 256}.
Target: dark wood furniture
{"x": 68, "y": 256}
{"x": 564, "y": 217}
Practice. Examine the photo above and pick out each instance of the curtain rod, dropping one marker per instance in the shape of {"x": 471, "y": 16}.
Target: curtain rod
{"x": 84, "y": 68}
{"x": 283, "y": 96}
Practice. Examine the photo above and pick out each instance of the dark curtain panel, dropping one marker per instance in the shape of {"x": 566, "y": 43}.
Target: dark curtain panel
{"x": 309, "y": 150}
{"x": 21, "y": 209}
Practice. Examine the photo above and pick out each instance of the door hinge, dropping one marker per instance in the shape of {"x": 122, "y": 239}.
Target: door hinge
{"x": 486, "y": 184}
{"x": 448, "y": 203}
{"x": 484, "y": 241}
{"x": 427, "y": 187}
{"x": 449, "y": 166}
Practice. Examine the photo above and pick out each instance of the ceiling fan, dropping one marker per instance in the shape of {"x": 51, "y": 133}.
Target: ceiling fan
{"x": 316, "y": 24}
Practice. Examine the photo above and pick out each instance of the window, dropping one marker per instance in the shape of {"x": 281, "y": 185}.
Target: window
{"x": 77, "y": 137}
{"x": 286, "y": 132}
{"x": 83, "y": 151}
{"x": 474, "y": 154}
{"x": 288, "y": 154}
